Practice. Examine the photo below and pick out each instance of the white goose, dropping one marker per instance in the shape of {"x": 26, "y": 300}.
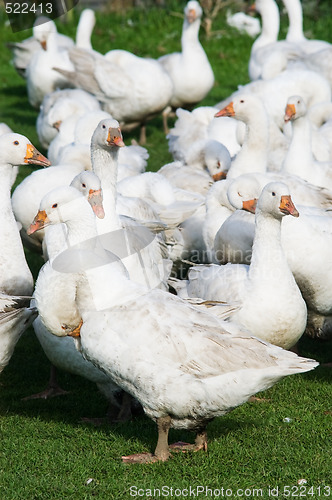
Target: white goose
{"x": 306, "y": 242}
{"x": 75, "y": 129}
{"x": 27, "y": 195}
{"x": 41, "y": 77}
{"x": 58, "y": 312}
{"x": 312, "y": 86}
{"x": 295, "y": 29}
{"x": 16, "y": 278}
{"x": 253, "y": 157}
{"x": 218, "y": 209}
{"x": 192, "y": 130}
{"x": 299, "y": 159}
{"x": 16, "y": 282}
{"x": 185, "y": 369}
{"x": 130, "y": 88}
{"x": 190, "y": 69}
{"x": 16, "y": 315}
{"x": 270, "y": 303}
{"x": 139, "y": 249}
{"x": 59, "y": 105}
{"x": 24, "y": 51}
{"x": 269, "y": 57}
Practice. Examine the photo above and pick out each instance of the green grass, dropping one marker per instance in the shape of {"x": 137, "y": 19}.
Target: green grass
{"x": 46, "y": 453}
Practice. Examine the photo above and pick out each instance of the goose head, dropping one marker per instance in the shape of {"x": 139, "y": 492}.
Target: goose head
{"x": 244, "y": 192}
{"x": 66, "y": 205}
{"x": 193, "y": 11}
{"x": 60, "y": 205}
{"x": 275, "y": 200}
{"x": 108, "y": 134}
{"x": 242, "y": 107}
{"x": 42, "y": 29}
{"x": 295, "y": 108}
{"x": 16, "y": 149}
{"x": 217, "y": 159}
{"x": 88, "y": 184}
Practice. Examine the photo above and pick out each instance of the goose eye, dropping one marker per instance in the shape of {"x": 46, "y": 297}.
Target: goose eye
{"x": 242, "y": 101}
{"x": 83, "y": 185}
{"x": 273, "y": 193}
{"x": 16, "y": 143}
{"x": 55, "y": 205}
{"x": 103, "y": 126}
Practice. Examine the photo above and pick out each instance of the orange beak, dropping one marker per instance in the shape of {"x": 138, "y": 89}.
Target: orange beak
{"x": 250, "y": 205}
{"x": 39, "y": 222}
{"x": 95, "y": 199}
{"x": 219, "y": 176}
{"x": 76, "y": 332}
{"x": 57, "y": 124}
{"x": 287, "y": 206}
{"x": 114, "y": 137}
{"x": 33, "y": 156}
{"x": 290, "y": 112}
{"x": 43, "y": 44}
{"x": 226, "y": 111}
{"x": 191, "y": 16}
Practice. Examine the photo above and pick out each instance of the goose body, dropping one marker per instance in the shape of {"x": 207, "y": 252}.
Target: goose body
{"x": 141, "y": 251}
{"x": 16, "y": 282}
{"x": 269, "y": 57}
{"x": 190, "y": 70}
{"x": 24, "y": 51}
{"x": 54, "y": 298}
{"x": 266, "y": 290}
{"x": 145, "y": 346}
{"x": 306, "y": 242}
{"x": 41, "y": 77}
{"x": 134, "y": 341}
{"x": 130, "y": 88}
{"x": 57, "y": 107}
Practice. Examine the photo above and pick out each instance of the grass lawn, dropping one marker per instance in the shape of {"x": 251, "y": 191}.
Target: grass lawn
{"x": 47, "y": 453}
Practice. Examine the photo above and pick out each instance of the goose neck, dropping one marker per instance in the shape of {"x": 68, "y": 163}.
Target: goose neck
{"x": 6, "y": 177}
{"x": 295, "y": 18}
{"x": 81, "y": 230}
{"x": 299, "y": 158}
{"x": 189, "y": 35}
{"x": 268, "y": 261}
{"x": 270, "y": 24}
{"x": 105, "y": 166}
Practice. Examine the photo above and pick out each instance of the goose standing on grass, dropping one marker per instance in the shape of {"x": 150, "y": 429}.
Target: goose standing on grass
{"x": 16, "y": 281}
{"x": 131, "y": 88}
{"x": 271, "y": 304}
{"x": 185, "y": 368}
{"x": 41, "y": 77}
{"x": 190, "y": 69}
{"x": 58, "y": 312}
{"x": 24, "y": 51}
